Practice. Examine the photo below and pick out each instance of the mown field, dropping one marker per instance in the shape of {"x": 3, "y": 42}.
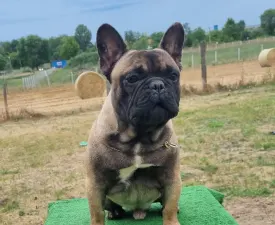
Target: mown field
{"x": 225, "y": 140}
{"x": 61, "y": 97}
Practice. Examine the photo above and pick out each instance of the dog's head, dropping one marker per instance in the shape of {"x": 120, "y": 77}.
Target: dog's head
{"x": 145, "y": 85}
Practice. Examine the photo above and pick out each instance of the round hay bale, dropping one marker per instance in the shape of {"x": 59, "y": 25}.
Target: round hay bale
{"x": 90, "y": 84}
{"x": 267, "y": 57}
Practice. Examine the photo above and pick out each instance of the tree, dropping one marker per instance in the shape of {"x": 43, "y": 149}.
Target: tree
{"x": 141, "y": 43}
{"x": 37, "y": 51}
{"x": 268, "y": 21}
{"x": 131, "y": 37}
{"x": 2, "y": 51}
{"x": 230, "y": 31}
{"x": 7, "y": 47}
{"x": 197, "y": 36}
{"x": 83, "y": 36}
{"x": 54, "y": 47}
{"x": 15, "y": 60}
{"x": 188, "y": 39}
{"x": 22, "y": 52}
{"x": 215, "y": 36}
{"x": 69, "y": 48}
{"x": 3, "y": 62}
{"x": 156, "y": 38}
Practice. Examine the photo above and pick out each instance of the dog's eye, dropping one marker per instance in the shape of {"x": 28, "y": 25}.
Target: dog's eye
{"x": 132, "y": 79}
{"x": 174, "y": 77}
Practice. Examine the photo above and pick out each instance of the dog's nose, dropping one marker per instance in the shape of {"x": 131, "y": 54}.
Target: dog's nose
{"x": 157, "y": 85}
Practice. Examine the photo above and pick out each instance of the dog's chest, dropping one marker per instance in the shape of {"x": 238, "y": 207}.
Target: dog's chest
{"x": 137, "y": 163}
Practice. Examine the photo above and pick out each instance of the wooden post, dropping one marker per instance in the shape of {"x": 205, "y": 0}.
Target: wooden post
{"x": 6, "y": 100}
{"x": 203, "y": 65}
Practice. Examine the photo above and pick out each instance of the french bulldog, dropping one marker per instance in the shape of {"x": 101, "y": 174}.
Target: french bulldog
{"x": 133, "y": 154}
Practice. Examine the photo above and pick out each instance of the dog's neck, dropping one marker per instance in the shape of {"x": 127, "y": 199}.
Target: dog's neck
{"x": 127, "y": 133}
{"x": 148, "y": 142}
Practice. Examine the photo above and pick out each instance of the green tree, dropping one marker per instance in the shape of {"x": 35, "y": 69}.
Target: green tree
{"x": 83, "y": 58}
{"x": 2, "y": 51}
{"x": 131, "y": 37}
{"x": 257, "y": 32}
{"x": 230, "y": 31}
{"x": 69, "y": 48}
{"x": 54, "y": 47}
{"x": 215, "y": 36}
{"x": 15, "y": 60}
{"x": 188, "y": 35}
{"x": 7, "y": 47}
{"x": 156, "y": 38}
{"x": 37, "y": 51}
{"x": 241, "y": 30}
{"x": 22, "y": 52}
{"x": 14, "y": 45}
{"x": 83, "y": 36}
{"x": 268, "y": 21}
{"x": 197, "y": 36}
{"x": 141, "y": 43}
{"x": 3, "y": 62}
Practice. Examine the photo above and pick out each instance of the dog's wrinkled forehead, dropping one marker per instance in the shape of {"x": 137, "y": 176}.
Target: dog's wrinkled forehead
{"x": 150, "y": 61}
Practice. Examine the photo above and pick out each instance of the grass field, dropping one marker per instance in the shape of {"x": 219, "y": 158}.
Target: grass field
{"x": 225, "y": 143}
{"x": 248, "y": 51}
{"x": 60, "y": 99}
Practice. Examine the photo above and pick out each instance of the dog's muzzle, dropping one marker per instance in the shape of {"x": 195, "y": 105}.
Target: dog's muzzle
{"x": 156, "y": 86}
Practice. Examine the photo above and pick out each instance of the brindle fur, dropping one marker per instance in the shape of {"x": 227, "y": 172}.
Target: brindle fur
{"x": 115, "y": 143}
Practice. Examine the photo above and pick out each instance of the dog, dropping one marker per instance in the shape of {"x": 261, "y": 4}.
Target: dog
{"x": 133, "y": 153}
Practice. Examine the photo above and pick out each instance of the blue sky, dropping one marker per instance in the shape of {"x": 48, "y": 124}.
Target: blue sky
{"x": 54, "y": 17}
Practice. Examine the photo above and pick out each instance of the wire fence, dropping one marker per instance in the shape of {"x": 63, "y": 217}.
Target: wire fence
{"x": 245, "y": 52}
{"x": 225, "y": 66}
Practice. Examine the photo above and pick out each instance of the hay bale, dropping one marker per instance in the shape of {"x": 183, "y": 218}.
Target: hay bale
{"x": 267, "y": 57}
{"x": 90, "y": 84}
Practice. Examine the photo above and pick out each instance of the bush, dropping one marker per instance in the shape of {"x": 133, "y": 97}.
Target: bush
{"x": 3, "y": 62}
{"x": 84, "y": 58}
{"x": 26, "y": 70}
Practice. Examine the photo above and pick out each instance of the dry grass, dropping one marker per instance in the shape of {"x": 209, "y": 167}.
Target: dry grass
{"x": 226, "y": 74}
{"x": 63, "y": 100}
{"x": 225, "y": 145}
{"x": 47, "y": 102}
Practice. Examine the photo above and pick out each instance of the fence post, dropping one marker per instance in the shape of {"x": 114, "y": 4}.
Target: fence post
{"x": 239, "y": 54}
{"x": 192, "y": 60}
{"x": 48, "y": 80}
{"x": 6, "y": 100}
{"x": 203, "y": 65}
{"x": 72, "y": 77}
{"x": 216, "y": 56}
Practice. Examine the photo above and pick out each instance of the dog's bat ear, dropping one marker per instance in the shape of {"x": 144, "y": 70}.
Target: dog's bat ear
{"x": 110, "y": 46}
{"x": 172, "y": 42}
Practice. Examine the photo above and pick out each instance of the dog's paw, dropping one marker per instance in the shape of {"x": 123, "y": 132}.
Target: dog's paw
{"x": 115, "y": 214}
{"x": 139, "y": 214}
{"x": 178, "y": 211}
{"x": 171, "y": 223}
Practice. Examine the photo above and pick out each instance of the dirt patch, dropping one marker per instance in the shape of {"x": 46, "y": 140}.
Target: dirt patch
{"x": 252, "y": 211}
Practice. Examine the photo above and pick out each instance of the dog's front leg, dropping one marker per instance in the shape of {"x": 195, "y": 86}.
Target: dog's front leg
{"x": 171, "y": 198}
{"x": 96, "y": 199}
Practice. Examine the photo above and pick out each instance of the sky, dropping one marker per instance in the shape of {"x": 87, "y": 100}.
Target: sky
{"x": 48, "y": 18}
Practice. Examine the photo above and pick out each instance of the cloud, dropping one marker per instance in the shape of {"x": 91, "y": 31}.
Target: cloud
{"x": 21, "y": 20}
{"x": 110, "y": 7}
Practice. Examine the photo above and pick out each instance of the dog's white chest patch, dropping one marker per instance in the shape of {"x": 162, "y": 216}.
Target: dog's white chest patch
{"x": 126, "y": 173}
